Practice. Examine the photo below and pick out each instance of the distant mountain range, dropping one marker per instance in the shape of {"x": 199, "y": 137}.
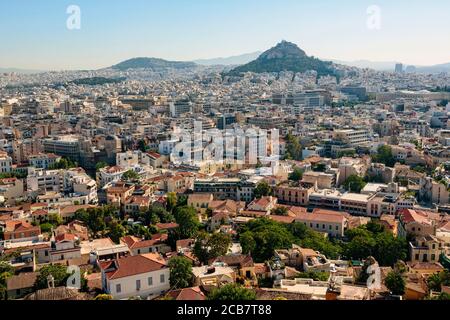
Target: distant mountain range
{"x": 229, "y": 61}
{"x": 17, "y": 70}
{"x": 390, "y": 66}
{"x": 366, "y": 64}
{"x": 153, "y": 63}
{"x": 435, "y": 69}
{"x": 285, "y": 56}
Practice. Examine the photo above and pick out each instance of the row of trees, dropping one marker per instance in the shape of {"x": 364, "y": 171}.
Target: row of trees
{"x": 373, "y": 240}
{"x": 63, "y": 163}
{"x": 261, "y": 237}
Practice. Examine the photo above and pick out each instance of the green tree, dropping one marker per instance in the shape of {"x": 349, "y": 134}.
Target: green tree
{"x": 46, "y": 227}
{"x": 210, "y": 246}
{"x": 384, "y": 156}
{"x": 218, "y": 244}
{"x": 247, "y": 242}
{"x": 59, "y": 273}
{"x": 232, "y": 292}
{"x": 373, "y": 240}
{"x": 354, "y": 183}
{"x": 64, "y": 163}
{"x": 390, "y": 249}
{"x": 181, "y": 275}
{"x": 130, "y": 175}
{"x": 187, "y": 219}
{"x": 280, "y": 211}
{"x": 116, "y": 231}
{"x": 395, "y": 283}
{"x": 293, "y": 148}
{"x": 55, "y": 219}
{"x": 437, "y": 280}
{"x": 6, "y": 271}
{"x": 142, "y": 145}
{"x": 296, "y": 175}
{"x": 320, "y": 167}
{"x": 262, "y": 190}
{"x": 262, "y": 236}
{"x": 100, "y": 165}
{"x": 94, "y": 218}
{"x": 442, "y": 296}
{"x": 171, "y": 201}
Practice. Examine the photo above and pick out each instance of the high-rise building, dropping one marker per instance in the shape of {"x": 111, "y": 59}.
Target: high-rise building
{"x": 180, "y": 107}
{"x": 399, "y": 68}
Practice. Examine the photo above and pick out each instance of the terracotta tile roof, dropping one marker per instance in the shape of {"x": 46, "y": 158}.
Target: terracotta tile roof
{"x": 419, "y": 216}
{"x": 261, "y": 268}
{"x": 136, "y": 243}
{"x": 185, "y": 243}
{"x": 282, "y": 219}
{"x": 65, "y": 237}
{"x": 200, "y": 197}
{"x": 167, "y": 226}
{"x": 154, "y": 155}
{"x": 332, "y": 212}
{"x": 263, "y": 202}
{"x": 40, "y": 212}
{"x": 74, "y": 208}
{"x": 330, "y": 218}
{"x": 17, "y": 226}
{"x": 22, "y": 281}
{"x": 190, "y": 294}
{"x": 59, "y": 293}
{"x": 249, "y": 213}
{"x": 133, "y": 265}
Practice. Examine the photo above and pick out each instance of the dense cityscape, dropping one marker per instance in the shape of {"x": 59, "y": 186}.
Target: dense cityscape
{"x": 286, "y": 177}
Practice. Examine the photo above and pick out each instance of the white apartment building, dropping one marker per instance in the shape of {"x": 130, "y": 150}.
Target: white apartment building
{"x": 166, "y": 147}
{"x": 109, "y": 174}
{"x": 353, "y": 137}
{"x": 5, "y": 163}
{"x": 180, "y": 107}
{"x": 43, "y": 160}
{"x": 72, "y": 183}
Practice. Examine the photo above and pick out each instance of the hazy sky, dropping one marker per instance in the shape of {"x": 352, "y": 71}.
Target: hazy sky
{"x": 33, "y": 34}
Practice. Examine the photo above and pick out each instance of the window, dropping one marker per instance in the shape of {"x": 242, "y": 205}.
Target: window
{"x": 417, "y": 256}
{"x": 118, "y": 288}
{"x": 162, "y": 278}
{"x": 433, "y": 257}
{"x": 150, "y": 281}
{"x": 138, "y": 285}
